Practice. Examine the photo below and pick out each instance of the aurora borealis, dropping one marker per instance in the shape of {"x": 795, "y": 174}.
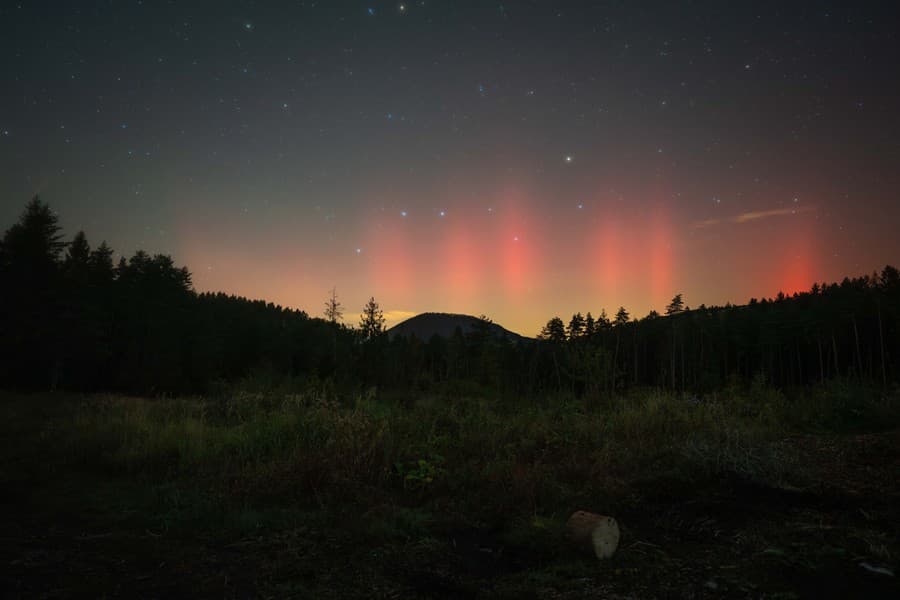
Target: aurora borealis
{"x": 515, "y": 159}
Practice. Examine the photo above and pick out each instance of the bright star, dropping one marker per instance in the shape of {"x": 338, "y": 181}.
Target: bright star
{"x": 442, "y": 213}
{"x": 402, "y": 213}
{"x": 569, "y": 159}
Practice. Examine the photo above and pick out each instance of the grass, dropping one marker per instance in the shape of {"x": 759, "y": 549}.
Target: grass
{"x": 426, "y": 486}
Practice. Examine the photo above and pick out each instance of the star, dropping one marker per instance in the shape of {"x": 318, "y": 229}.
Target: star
{"x": 402, "y": 213}
{"x": 569, "y": 159}
{"x": 359, "y": 250}
{"x": 248, "y": 26}
{"x": 442, "y": 214}
{"x": 371, "y": 11}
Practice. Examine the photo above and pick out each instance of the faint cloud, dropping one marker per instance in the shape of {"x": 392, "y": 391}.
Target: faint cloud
{"x": 706, "y": 223}
{"x": 755, "y": 215}
{"x": 765, "y": 214}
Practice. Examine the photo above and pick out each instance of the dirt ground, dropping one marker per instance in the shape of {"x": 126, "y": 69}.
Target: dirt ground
{"x": 835, "y": 537}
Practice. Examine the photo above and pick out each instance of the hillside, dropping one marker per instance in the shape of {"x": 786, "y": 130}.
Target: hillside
{"x": 426, "y": 325}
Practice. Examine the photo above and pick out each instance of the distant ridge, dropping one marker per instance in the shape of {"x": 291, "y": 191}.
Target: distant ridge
{"x": 427, "y": 325}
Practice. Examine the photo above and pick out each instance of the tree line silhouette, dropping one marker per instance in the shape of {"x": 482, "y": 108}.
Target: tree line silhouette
{"x": 71, "y": 318}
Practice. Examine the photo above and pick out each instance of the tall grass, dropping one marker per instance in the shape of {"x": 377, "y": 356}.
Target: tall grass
{"x": 319, "y": 448}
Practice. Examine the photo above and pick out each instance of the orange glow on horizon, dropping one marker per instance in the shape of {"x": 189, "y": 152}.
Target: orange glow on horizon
{"x": 461, "y": 263}
{"x": 387, "y": 255}
{"x": 796, "y": 269}
{"x": 510, "y": 263}
{"x": 519, "y": 246}
{"x": 660, "y": 258}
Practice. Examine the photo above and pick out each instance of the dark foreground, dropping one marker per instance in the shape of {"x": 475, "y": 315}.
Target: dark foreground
{"x": 158, "y": 520}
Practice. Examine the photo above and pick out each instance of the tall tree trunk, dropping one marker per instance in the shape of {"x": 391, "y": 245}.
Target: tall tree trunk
{"x": 615, "y": 365}
{"x": 672, "y": 369}
{"x": 556, "y": 369}
{"x": 635, "y": 357}
{"x": 858, "y": 354}
{"x": 881, "y": 341}
{"x": 821, "y": 363}
{"x": 725, "y": 354}
{"x": 837, "y": 368}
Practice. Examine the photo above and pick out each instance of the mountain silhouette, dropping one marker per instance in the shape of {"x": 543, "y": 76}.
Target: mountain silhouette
{"x": 426, "y": 325}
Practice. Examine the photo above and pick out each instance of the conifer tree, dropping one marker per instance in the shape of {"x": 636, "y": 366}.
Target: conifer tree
{"x": 554, "y": 330}
{"x": 576, "y": 326}
{"x": 676, "y": 306}
{"x": 590, "y": 326}
{"x": 334, "y": 310}
{"x": 371, "y": 324}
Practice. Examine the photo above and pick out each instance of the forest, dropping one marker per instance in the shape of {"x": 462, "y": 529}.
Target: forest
{"x": 160, "y": 442}
{"x": 74, "y": 319}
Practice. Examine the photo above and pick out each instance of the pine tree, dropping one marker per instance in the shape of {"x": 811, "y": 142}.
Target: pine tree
{"x": 576, "y": 326}
{"x": 371, "y": 324}
{"x": 621, "y": 316}
{"x": 32, "y": 301}
{"x": 590, "y": 326}
{"x": 676, "y": 306}
{"x": 78, "y": 256}
{"x": 101, "y": 264}
{"x": 554, "y": 330}
{"x": 334, "y": 310}
{"x": 35, "y": 243}
{"x": 603, "y": 323}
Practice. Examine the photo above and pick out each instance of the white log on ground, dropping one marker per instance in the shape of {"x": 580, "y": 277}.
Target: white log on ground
{"x": 598, "y": 533}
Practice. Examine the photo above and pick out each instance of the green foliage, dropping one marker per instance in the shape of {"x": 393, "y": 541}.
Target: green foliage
{"x": 420, "y": 474}
{"x": 396, "y": 475}
{"x": 315, "y": 447}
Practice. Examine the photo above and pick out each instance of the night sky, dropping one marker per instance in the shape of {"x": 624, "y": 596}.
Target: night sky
{"x": 517, "y": 159}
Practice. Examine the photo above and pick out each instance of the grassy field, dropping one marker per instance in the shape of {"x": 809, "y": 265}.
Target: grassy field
{"x": 273, "y": 493}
